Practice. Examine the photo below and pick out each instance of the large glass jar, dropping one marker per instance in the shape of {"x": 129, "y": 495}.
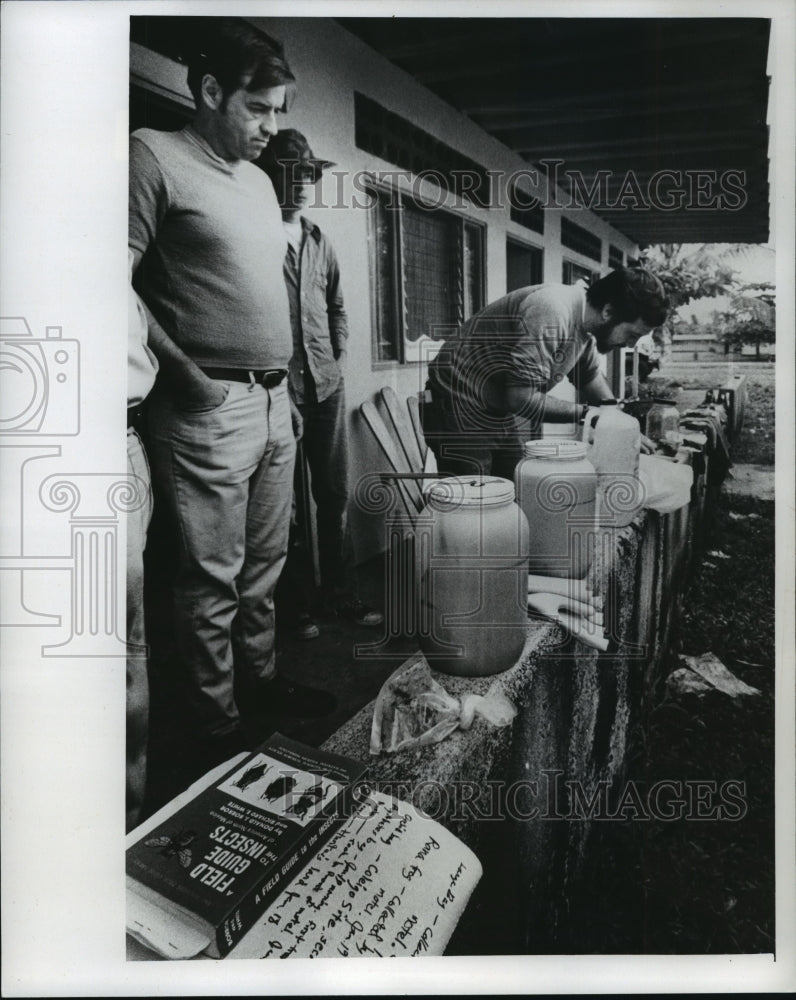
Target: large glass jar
{"x": 663, "y": 422}
{"x": 472, "y": 541}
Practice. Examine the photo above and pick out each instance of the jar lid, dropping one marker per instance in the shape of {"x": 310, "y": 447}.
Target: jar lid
{"x": 665, "y": 400}
{"x": 469, "y": 491}
{"x": 562, "y": 451}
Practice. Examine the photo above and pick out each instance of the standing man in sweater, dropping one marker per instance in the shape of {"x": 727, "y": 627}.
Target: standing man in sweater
{"x": 206, "y": 234}
{"x": 316, "y": 385}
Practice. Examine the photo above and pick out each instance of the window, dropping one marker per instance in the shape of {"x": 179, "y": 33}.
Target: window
{"x": 523, "y": 265}
{"x": 576, "y": 238}
{"x": 615, "y": 257}
{"x": 531, "y": 218}
{"x": 573, "y": 273}
{"x": 391, "y": 137}
{"x": 427, "y": 274}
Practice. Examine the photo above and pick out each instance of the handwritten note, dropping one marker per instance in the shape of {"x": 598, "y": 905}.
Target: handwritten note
{"x": 390, "y": 882}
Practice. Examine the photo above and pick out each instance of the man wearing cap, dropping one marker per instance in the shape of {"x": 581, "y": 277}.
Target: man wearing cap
{"x": 500, "y": 366}
{"x": 316, "y": 385}
{"x": 207, "y": 238}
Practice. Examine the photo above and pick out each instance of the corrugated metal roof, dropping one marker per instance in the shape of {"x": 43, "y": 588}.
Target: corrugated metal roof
{"x": 620, "y": 102}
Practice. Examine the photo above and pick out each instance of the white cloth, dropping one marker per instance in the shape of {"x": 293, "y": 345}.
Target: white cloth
{"x": 142, "y": 364}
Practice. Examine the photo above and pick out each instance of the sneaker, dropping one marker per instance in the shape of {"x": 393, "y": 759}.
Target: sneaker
{"x": 281, "y": 696}
{"x": 359, "y": 613}
{"x": 304, "y": 628}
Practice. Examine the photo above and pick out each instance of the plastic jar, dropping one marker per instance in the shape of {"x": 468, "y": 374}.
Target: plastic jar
{"x": 472, "y": 541}
{"x": 557, "y": 491}
{"x": 663, "y": 421}
{"x": 614, "y": 440}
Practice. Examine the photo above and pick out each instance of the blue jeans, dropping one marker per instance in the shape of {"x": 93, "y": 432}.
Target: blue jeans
{"x": 137, "y": 682}
{"x": 227, "y": 476}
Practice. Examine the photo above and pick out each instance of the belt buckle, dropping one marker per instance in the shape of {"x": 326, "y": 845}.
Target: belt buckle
{"x": 271, "y": 379}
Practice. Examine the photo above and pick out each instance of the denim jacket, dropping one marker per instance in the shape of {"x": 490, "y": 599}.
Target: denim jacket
{"x": 317, "y": 316}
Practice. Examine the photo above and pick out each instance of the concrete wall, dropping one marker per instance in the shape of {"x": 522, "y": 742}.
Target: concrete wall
{"x": 576, "y": 713}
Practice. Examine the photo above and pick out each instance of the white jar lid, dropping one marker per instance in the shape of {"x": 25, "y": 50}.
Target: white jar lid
{"x": 469, "y": 491}
{"x": 561, "y": 451}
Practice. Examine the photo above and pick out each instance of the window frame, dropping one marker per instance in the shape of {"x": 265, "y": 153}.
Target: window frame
{"x": 525, "y": 245}
{"x": 397, "y": 197}
{"x": 594, "y": 274}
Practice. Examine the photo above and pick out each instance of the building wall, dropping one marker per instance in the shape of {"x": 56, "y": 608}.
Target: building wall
{"x": 330, "y": 64}
{"x": 697, "y": 349}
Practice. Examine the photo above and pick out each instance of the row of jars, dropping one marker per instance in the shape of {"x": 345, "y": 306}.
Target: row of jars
{"x": 483, "y": 535}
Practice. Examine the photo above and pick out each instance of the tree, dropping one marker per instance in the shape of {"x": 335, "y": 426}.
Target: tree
{"x": 692, "y": 271}
{"x": 751, "y": 316}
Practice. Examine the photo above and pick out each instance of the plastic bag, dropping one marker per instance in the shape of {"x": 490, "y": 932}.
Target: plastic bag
{"x": 413, "y": 710}
{"x": 667, "y": 485}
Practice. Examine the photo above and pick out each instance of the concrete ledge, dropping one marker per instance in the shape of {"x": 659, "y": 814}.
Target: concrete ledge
{"x": 576, "y": 711}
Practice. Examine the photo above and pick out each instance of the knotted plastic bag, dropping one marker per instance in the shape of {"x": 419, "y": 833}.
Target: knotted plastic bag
{"x": 413, "y": 710}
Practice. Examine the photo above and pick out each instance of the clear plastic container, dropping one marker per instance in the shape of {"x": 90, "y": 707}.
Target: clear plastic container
{"x": 557, "y": 491}
{"x": 472, "y": 541}
{"x": 663, "y": 421}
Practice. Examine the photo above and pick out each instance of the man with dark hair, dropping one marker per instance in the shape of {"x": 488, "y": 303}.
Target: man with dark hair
{"x": 206, "y": 230}
{"x": 316, "y": 385}
{"x": 501, "y": 365}
{"x": 235, "y": 55}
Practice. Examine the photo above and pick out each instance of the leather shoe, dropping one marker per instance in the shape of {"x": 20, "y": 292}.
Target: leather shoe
{"x": 304, "y": 628}
{"x": 359, "y": 613}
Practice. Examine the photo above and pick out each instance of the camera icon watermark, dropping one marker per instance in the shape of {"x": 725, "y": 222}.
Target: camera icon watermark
{"x": 40, "y": 381}
{"x": 39, "y": 400}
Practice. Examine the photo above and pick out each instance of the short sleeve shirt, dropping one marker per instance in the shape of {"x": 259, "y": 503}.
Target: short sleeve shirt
{"x": 532, "y": 337}
{"x": 213, "y": 243}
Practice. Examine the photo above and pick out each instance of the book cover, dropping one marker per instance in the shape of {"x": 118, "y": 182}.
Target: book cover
{"x": 217, "y": 861}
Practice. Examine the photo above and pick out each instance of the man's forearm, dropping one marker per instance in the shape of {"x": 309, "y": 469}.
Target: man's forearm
{"x": 596, "y": 391}
{"x": 539, "y": 406}
{"x": 175, "y": 364}
{"x": 561, "y": 411}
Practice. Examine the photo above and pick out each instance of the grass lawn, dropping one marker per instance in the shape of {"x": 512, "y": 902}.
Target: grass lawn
{"x": 688, "y": 383}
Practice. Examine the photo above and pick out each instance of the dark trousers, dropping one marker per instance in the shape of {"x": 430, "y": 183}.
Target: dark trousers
{"x": 324, "y": 444}
{"x": 471, "y": 443}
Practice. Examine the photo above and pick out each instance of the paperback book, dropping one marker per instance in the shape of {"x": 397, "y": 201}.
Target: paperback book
{"x": 200, "y": 879}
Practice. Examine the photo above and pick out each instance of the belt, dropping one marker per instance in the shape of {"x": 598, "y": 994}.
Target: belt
{"x": 269, "y": 378}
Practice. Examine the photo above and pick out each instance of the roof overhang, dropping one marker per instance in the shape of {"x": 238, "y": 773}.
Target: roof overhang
{"x": 656, "y": 124}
